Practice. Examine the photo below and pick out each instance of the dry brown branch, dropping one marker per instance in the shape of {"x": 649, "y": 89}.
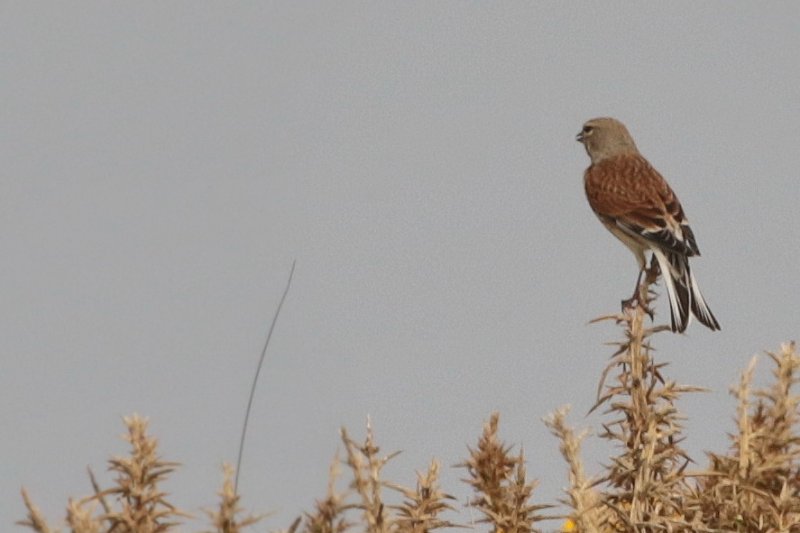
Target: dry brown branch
{"x": 330, "y": 513}
{"x": 225, "y": 518}
{"x": 81, "y": 518}
{"x": 419, "y": 512}
{"x": 35, "y": 520}
{"x": 582, "y": 498}
{"x": 143, "y": 506}
{"x": 366, "y": 465}
{"x": 645, "y": 482}
{"x": 97, "y": 491}
{"x": 499, "y": 481}
{"x": 756, "y": 486}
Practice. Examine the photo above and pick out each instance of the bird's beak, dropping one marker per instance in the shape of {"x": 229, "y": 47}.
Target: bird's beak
{"x": 579, "y": 137}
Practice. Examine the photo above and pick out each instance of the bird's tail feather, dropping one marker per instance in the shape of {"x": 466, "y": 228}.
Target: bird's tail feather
{"x": 685, "y": 299}
{"x": 700, "y": 308}
{"x": 673, "y": 271}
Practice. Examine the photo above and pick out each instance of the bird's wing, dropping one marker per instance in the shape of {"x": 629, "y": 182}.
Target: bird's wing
{"x": 630, "y": 192}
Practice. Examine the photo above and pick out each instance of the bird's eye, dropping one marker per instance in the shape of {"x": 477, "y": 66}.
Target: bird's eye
{"x": 587, "y": 129}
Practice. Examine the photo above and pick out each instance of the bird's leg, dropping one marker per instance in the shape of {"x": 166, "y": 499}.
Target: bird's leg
{"x": 651, "y": 276}
{"x": 635, "y": 300}
{"x": 653, "y": 271}
{"x": 640, "y": 296}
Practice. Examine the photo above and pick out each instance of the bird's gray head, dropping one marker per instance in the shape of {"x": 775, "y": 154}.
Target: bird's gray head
{"x": 606, "y": 137}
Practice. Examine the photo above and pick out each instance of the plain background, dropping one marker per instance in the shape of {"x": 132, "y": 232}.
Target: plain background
{"x": 164, "y": 162}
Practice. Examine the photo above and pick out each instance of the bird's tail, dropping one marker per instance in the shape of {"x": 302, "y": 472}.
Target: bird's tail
{"x": 685, "y": 298}
{"x": 700, "y": 308}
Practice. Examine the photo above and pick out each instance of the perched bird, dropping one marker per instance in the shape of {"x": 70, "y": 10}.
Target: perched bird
{"x": 637, "y": 205}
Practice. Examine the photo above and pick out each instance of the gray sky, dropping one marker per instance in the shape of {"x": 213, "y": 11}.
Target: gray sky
{"x": 164, "y": 162}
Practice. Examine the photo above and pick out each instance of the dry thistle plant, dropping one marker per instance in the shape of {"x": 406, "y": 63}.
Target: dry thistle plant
{"x": 645, "y": 487}
{"x": 581, "y": 496}
{"x": 135, "y": 503}
{"x": 756, "y": 487}
{"x": 419, "y": 512}
{"x": 645, "y": 481}
{"x": 82, "y": 518}
{"x": 329, "y": 514}
{"x": 142, "y": 507}
{"x": 499, "y": 479}
{"x": 35, "y": 520}
{"x": 225, "y": 517}
{"x": 366, "y": 465}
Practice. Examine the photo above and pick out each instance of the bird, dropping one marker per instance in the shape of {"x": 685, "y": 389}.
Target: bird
{"x": 637, "y": 205}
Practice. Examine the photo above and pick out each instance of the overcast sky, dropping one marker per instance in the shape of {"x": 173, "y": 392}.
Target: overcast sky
{"x": 164, "y": 162}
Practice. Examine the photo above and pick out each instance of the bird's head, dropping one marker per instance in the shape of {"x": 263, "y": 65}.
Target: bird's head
{"x": 606, "y": 137}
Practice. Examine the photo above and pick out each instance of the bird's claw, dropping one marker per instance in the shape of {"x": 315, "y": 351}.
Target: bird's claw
{"x": 635, "y": 301}
{"x": 630, "y": 303}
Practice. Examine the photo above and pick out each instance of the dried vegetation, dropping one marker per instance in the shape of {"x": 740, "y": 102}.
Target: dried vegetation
{"x": 646, "y": 485}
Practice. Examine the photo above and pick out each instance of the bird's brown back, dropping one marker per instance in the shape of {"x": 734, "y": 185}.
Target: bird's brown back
{"x": 628, "y": 189}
